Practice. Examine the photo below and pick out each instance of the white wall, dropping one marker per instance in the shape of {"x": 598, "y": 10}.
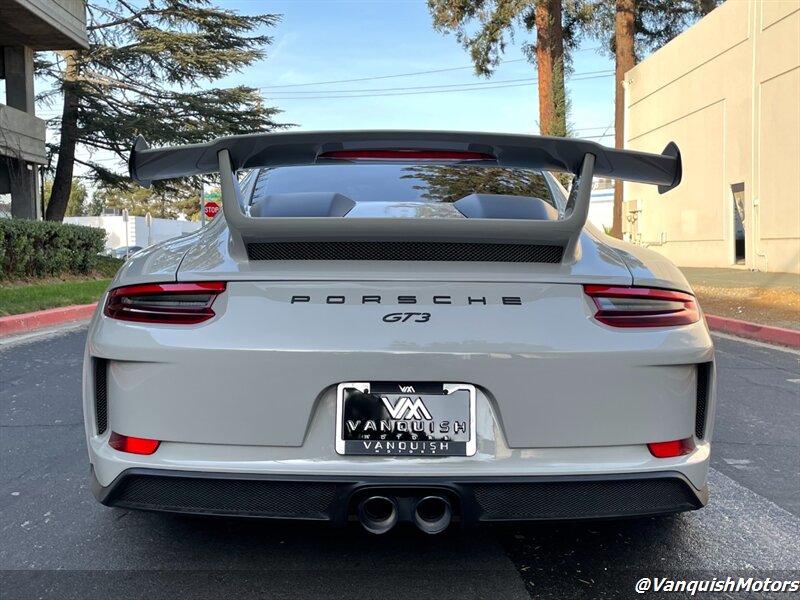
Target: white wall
{"x": 727, "y": 91}
{"x": 138, "y": 232}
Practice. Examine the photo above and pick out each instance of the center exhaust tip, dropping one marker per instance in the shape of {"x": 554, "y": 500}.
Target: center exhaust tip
{"x": 377, "y": 514}
{"x": 432, "y": 514}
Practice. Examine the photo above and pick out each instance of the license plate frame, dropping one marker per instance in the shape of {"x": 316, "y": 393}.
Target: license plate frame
{"x": 431, "y": 401}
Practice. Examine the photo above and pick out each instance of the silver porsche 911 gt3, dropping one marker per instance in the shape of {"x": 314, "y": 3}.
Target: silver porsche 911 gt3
{"x": 390, "y": 326}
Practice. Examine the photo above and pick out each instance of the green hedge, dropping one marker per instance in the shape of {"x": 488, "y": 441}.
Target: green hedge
{"x": 47, "y": 249}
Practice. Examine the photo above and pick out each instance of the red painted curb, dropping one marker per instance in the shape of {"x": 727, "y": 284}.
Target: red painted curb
{"x": 44, "y": 318}
{"x": 754, "y": 331}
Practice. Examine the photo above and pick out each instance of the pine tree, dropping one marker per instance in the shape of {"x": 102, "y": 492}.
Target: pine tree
{"x": 631, "y": 29}
{"x": 499, "y": 21}
{"x": 150, "y": 70}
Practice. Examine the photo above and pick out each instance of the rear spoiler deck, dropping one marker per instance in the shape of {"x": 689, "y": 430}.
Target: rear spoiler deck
{"x": 228, "y": 155}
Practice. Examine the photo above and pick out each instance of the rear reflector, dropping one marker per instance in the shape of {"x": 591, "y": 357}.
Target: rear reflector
{"x": 671, "y": 449}
{"x": 176, "y": 303}
{"x": 134, "y": 445}
{"x": 409, "y": 154}
{"x": 642, "y": 307}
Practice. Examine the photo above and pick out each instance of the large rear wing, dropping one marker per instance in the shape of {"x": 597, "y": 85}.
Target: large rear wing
{"x": 228, "y": 155}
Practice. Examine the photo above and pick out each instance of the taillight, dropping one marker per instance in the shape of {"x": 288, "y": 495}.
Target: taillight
{"x": 672, "y": 448}
{"x": 408, "y": 154}
{"x": 642, "y": 307}
{"x": 133, "y": 445}
{"x": 177, "y": 303}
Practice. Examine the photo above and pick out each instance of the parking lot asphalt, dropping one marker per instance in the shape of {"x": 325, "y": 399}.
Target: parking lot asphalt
{"x": 56, "y": 541}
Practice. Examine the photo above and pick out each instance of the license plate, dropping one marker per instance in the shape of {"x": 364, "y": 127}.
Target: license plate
{"x": 405, "y": 419}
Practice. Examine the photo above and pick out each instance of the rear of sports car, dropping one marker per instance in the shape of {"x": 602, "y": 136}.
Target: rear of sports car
{"x": 389, "y": 379}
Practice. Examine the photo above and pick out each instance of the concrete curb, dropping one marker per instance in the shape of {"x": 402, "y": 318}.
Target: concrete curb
{"x": 754, "y": 331}
{"x": 45, "y": 318}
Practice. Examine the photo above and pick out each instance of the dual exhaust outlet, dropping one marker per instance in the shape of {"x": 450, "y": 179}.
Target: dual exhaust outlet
{"x": 431, "y": 514}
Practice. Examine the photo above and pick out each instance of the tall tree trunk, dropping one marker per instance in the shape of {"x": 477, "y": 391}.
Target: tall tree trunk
{"x": 62, "y": 183}
{"x": 625, "y": 61}
{"x": 550, "y": 59}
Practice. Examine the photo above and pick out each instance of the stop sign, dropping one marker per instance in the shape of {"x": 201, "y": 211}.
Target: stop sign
{"x": 211, "y": 209}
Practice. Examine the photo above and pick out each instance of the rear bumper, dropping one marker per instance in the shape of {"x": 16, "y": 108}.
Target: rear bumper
{"x": 475, "y": 499}
{"x": 547, "y": 376}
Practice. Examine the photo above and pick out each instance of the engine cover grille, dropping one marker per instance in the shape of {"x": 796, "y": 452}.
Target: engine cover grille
{"x": 405, "y": 251}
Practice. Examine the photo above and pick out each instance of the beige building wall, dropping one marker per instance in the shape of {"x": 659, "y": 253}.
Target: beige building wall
{"x": 727, "y": 91}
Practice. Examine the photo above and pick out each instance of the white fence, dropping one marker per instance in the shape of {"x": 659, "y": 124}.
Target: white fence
{"x": 138, "y": 233}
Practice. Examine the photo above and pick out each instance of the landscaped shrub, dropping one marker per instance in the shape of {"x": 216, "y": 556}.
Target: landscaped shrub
{"x": 47, "y": 249}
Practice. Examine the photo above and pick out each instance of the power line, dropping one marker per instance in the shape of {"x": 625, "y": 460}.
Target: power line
{"x": 446, "y": 91}
{"x": 423, "y": 87}
{"x": 610, "y": 125}
{"x": 292, "y": 85}
{"x": 475, "y": 85}
{"x": 438, "y": 91}
{"x": 430, "y": 72}
{"x": 428, "y": 87}
{"x": 603, "y": 127}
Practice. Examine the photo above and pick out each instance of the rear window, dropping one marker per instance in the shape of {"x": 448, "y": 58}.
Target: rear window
{"x": 403, "y": 182}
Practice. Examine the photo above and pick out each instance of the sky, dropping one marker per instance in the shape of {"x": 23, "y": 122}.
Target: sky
{"x": 338, "y": 40}
{"x": 382, "y": 42}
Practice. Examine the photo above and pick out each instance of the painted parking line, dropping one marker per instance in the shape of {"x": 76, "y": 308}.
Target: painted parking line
{"x": 733, "y": 338}
{"x": 8, "y": 341}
